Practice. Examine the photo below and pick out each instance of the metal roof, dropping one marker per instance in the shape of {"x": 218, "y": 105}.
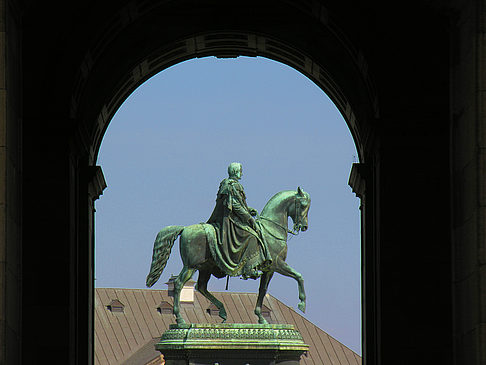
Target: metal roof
{"x": 128, "y": 337}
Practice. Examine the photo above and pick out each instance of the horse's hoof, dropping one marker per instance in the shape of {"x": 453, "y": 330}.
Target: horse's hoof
{"x": 262, "y": 321}
{"x": 180, "y": 321}
{"x": 222, "y": 315}
{"x": 301, "y": 306}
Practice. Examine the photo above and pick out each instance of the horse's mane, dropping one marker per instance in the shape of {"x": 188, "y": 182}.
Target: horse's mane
{"x": 276, "y": 199}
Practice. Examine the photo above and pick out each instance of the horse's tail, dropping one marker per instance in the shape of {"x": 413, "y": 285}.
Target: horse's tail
{"x": 162, "y": 246}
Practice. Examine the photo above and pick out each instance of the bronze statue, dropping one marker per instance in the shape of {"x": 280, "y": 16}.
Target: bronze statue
{"x": 260, "y": 244}
{"x": 238, "y": 236}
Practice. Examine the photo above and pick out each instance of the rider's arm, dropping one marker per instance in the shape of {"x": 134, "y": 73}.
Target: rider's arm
{"x": 240, "y": 210}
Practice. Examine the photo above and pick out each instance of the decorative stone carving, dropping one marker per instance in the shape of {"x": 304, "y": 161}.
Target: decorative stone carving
{"x": 228, "y": 343}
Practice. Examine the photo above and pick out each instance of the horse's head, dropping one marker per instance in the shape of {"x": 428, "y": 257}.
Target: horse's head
{"x": 300, "y": 210}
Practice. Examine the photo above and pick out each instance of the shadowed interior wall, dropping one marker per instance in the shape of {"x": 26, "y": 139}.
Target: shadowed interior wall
{"x": 468, "y": 131}
{"x": 10, "y": 183}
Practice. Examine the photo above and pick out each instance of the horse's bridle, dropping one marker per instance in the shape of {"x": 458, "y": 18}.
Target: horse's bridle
{"x": 278, "y": 225}
{"x": 298, "y": 218}
{"x": 297, "y": 225}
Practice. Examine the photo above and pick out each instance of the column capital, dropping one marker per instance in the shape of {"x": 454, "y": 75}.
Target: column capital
{"x": 96, "y": 182}
{"x": 357, "y": 179}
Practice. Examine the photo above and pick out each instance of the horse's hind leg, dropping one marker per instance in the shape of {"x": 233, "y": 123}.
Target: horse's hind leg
{"x": 202, "y": 287}
{"x": 179, "y": 282}
{"x": 284, "y": 269}
{"x": 264, "y": 281}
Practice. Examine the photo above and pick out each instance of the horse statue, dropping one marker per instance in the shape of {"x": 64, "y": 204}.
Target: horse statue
{"x": 196, "y": 255}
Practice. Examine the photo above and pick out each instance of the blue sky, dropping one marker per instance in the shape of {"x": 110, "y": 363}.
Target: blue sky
{"x": 168, "y": 147}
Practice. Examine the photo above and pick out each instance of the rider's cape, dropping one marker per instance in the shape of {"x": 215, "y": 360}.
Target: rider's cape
{"x": 237, "y": 247}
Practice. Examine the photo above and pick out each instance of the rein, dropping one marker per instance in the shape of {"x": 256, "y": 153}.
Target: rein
{"x": 279, "y": 225}
{"x": 297, "y": 214}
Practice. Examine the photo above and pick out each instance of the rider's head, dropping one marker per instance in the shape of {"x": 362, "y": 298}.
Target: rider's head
{"x": 234, "y": 170}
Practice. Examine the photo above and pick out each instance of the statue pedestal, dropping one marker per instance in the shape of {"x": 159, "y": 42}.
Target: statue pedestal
{"x": 232, "y": 344}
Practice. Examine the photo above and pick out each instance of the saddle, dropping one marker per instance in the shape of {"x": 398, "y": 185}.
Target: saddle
{"x": 249, "y": 257}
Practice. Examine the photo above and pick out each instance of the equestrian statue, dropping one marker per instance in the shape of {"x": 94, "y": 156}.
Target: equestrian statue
{"x": 234, "y": 243}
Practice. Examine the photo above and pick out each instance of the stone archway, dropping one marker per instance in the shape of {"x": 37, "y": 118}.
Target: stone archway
{"x": 355, "y": 99}
{"x": 229, "y": 45}
{"x": 74, "y": 64}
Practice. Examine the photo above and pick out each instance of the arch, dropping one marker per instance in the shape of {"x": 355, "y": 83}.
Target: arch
{"x": 67, "y": 62}
{"x": 134, "y": 48}
{"x": 335, "y": 65}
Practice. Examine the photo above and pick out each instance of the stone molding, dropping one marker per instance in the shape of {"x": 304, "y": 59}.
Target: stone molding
{"x": 232, "y": 336}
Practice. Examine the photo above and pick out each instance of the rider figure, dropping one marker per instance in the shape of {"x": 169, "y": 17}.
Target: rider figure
{"x": 234, "y": 223}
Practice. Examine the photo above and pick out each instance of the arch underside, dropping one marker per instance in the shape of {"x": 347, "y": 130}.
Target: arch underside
{"x": 327, "y": 57}
{"x": 225, "y": 45}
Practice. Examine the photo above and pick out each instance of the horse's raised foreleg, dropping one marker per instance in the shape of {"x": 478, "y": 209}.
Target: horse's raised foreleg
{"x": 264, "y": 281}
{"x": 202, "y": 287}
{"x": 179, "y": 282}
{"x": 284, "y": 269}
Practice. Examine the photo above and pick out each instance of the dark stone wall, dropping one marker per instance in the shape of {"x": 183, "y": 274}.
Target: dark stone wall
{"x": 468, "y": 127}
{"x": 405, "y": 79}
{"x": 10, "y": 183}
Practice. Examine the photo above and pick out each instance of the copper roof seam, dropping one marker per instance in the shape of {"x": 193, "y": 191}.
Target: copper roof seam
{"x": 153, "y": 304}
{"x": 200, "y": 312}
{"x": 300, "y": 325}
{"x": 166, "y": 319}
{"x": 114, "y": 344}
{"x": 96, "y": 359}
{"x": 314, "y": 335}
{"x": 247, "y": 298}
{"x": 131, "y": 318}
{"x": 320, "y": 339}
{"x": 142, "y": 304}
{"x": 144, "y": 329}
{"x": 349, "y": 355}
{"x": 245, "y": 316}
{"x": 233, "y": 308}
{"x": 275, "y": 309}
{"x": 119, "y": 333}
{"x": 344, "y": 348}
{"x": 191, "y": 315}
{"x": 124, "y": 329}
{"x": 331, "y": 337}
{"x": 292, "y": 312}
{"x": 198, "y": 303}
{"x": 289, "y": 310}
{"x": 280, "y": 305}
{"x": 97, "y": 338}
{"x": 331, "y": 352}
{"x": 340, "y": 354}
{"x": 247, "y": 312}
{"x": 108, "y": 332}
{"x": 239, "y": 306}
{"x": 354, "y": 352}
{"x": 196, "y": 307}
{"x": 98, "y": 325}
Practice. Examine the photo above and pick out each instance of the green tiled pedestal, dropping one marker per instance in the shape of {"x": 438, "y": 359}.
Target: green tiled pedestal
{"x": 232, "y": 344}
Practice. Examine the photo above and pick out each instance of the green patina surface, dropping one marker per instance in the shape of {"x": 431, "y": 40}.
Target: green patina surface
{"x": 225, "y": 336}
{"x": 238, "y": 244}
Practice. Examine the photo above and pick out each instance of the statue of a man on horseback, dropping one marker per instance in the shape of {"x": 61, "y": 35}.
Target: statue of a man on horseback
{"x": 233, "y": 243}
{"x": 240, "y": 247}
